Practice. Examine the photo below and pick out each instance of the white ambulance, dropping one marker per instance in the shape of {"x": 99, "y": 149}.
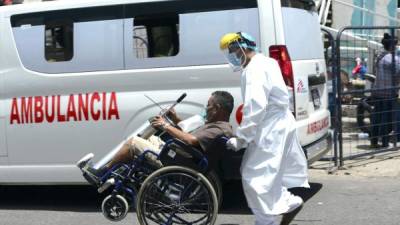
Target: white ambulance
{"x": 74, "y": 74}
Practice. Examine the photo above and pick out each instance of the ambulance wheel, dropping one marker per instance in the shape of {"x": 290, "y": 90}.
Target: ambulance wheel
{"x": 115, "y": 207}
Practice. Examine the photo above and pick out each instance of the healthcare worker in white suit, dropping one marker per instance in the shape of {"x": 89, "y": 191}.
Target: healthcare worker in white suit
{"x": 273, "y": 160}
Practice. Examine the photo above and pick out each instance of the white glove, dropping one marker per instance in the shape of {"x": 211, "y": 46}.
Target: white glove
{"x": 236, "y": 144}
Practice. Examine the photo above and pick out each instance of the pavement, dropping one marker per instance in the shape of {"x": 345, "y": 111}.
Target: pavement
{"x": 366, "y": 192}
{"x": 351, "y": 200}
{"x": 379, "y": 165}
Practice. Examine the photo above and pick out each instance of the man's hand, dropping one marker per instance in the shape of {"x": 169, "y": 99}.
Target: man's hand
{"x": 236, "y": 144}
{"x": 173, "y": 116}
{"x": 159, "y": 122}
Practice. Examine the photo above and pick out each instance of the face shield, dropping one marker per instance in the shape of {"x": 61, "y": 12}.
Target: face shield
{"x": 235, "y": 55}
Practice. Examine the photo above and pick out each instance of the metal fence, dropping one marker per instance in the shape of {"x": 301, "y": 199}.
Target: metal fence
{"x": 330, "y": 160}
{"x": 365, "y": 113}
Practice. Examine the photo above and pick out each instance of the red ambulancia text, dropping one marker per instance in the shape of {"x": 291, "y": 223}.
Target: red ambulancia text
{"x": 81, "y": 107}
{"x": 318, "y": 125}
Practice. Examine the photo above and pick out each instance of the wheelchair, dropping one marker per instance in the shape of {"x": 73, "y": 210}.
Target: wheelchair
{"x": 181, "y": 191}
{"x": 176, "y": 193}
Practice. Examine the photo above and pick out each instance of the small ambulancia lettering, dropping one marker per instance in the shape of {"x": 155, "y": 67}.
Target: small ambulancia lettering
{"x": 318, "y": 125}
{"x": 89, "y": 106}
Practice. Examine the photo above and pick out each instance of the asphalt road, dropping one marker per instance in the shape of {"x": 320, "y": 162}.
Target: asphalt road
{"x": 332, "y": 200}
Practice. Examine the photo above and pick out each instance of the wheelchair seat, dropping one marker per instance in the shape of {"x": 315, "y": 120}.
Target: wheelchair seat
{"x": 177, "y": 153}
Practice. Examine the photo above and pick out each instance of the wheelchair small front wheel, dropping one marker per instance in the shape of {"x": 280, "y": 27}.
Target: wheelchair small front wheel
{"x": 115, "y": 207}
{"x": 176, "y": 195}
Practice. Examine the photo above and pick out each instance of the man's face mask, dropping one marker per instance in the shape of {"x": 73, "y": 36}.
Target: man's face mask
{"x": 203, "y": 113}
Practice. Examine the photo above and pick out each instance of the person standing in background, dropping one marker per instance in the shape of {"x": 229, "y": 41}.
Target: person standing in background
{"x": 384, "y": 96}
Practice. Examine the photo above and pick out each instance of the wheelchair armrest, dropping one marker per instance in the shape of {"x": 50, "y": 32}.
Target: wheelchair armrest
{"x": 188, "y": 148}
{"x": 176, "y": 152}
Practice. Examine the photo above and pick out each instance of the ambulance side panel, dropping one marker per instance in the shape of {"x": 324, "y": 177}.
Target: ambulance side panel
{"x": 53, "y": 117}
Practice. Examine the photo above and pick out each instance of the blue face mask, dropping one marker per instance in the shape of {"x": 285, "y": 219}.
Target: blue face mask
{"x": 204, "y": 113}
{"x": 234, "y": 60}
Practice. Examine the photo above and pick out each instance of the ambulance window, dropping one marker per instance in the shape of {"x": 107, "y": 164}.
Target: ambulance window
{"x": 299, "y": 4}
{"x": 156, "y": 36}
{"x": 59, "y": 41}
{"x": 81, "y": 39}
{"x": 160, "y": 34}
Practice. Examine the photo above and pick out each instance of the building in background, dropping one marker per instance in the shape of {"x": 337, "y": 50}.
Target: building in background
{"x": 339, "y": 13}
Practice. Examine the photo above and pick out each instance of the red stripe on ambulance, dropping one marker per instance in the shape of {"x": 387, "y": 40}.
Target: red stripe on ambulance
{"x": 89, "y": 106}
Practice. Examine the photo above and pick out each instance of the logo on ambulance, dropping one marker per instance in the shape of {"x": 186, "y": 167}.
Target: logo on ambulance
{"x": 300, "y": 87}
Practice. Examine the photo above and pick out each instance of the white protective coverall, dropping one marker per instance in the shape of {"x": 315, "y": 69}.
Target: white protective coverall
{"x": 274, "y": 159}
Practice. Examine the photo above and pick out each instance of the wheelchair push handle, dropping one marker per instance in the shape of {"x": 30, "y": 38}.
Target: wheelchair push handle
{"x": 181, "y": 98}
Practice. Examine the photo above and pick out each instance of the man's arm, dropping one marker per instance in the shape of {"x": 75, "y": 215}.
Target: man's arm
{"x": 159, "y": 122}
{"x": 186, "y": 137}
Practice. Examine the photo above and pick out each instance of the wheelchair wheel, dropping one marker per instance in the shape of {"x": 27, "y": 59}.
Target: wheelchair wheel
{"x": 214, "y": 179}
{"x": 176, "y": 195}
{"x": 115, "y": 207}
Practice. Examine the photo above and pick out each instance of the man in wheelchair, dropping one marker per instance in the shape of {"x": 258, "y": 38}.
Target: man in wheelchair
{"x": 219, "y": 107}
